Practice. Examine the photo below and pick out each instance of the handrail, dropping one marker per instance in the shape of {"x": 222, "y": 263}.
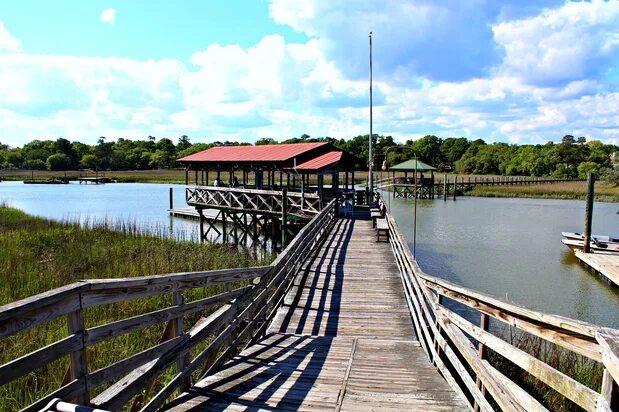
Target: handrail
{"x": 254, "y": 200}
{"x": 230, "y": 320}
{"x": 446, "y": 337}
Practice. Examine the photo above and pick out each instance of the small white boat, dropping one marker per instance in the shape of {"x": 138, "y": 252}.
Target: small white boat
{"x": 598, "y": 238}
{"x": 596, "y": 246}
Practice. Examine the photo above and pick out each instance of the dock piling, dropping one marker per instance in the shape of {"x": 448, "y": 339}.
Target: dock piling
{"x": 171, "y": 198}
{"x": 589, "y": 212}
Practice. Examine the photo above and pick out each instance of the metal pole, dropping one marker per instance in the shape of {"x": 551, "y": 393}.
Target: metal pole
{"x": 370, "y": 181}
{"x": 589, "y": 212}
{"x": 415, "y": 212}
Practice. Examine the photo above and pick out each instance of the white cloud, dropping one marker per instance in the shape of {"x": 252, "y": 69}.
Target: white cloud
{"x": 572, "y": 42}
{"x": 7, "y": 41}
{"x": 280, "y": 89}
{"x": 108, "y": 16}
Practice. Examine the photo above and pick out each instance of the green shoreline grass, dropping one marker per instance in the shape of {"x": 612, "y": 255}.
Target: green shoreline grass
{"x": 37, "y": 255}
{"x": 565, "y": 190}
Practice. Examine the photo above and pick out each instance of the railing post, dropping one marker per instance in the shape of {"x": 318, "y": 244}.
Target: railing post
{"x": 483, "y": 353}
{"x": 201, "y": 224}
{"x": 78, "y": 361}
{"x": 179, "y": 326}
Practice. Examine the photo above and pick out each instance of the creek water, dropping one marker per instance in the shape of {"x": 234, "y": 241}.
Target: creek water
{"x": 502, "y": 247}
{"x": 511, "y": 248}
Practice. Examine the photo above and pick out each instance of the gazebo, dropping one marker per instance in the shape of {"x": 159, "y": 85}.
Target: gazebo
{"x": 418, "y": 185}
{"x": 412, "y": 165}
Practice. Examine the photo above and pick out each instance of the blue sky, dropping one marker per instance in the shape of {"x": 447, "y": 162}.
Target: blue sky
{"x": 502, "y": 70}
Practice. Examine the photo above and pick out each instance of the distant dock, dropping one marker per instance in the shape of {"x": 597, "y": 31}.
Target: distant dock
{"x": 605, "y": 264}
{"x": 46, "y": 182}
{"x": 95, "y": 180}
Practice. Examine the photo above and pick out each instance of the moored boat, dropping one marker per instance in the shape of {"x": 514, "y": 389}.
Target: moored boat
{"x": 598, "y": 238}
{"x": 595, "y": 246}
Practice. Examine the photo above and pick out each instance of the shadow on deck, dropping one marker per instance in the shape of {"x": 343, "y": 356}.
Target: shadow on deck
{"x": 343, "y": 340}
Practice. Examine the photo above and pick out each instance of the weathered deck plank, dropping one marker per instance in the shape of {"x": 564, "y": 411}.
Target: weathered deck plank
{"x": 343, "y": 340}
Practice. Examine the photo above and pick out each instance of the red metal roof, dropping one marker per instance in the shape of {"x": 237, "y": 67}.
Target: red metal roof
{"x": 262, "y": 153}
{"x": 321, "y": 162}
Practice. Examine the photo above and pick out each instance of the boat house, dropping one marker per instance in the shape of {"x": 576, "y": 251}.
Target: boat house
{"x": 296, "y": 167}
{"x": 265, "y": 192}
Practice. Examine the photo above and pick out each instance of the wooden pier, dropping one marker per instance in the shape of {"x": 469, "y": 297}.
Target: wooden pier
{"x": 334, "y": 344}
{"x": 429, "y": 188}
{"x": 336, "y": 322}
{"x": 606, "y": 264}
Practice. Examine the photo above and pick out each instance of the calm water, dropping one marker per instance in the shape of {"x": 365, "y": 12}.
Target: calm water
{"x": 144, "y": 204}
{"x": 511, "y": 248}
{"x": 503, "y": 247}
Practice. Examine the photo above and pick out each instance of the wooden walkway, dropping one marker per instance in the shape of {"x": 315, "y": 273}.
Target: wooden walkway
{"x": 343, "y": 340}
{"x": 604, "y": 263}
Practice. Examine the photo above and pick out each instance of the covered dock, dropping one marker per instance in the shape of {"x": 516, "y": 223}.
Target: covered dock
{"x": 419, "y": 185}
{"x": 268, "y": 190}
{"x": 297, "y": 167}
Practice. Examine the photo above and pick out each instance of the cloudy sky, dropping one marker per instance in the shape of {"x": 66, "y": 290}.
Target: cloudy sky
{"x": 501, "y": 70}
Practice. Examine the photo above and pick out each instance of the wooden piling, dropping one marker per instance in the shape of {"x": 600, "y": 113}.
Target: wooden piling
{"x": 445, "y": 183}
{"x": 284, "y": 217}
{"x": 171, "y": 198}
{"x": 455, "y": 183}
{"x": 589, "y": 212}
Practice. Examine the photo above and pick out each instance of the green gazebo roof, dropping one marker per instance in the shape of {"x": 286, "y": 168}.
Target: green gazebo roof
{"x": 409, "y": 166}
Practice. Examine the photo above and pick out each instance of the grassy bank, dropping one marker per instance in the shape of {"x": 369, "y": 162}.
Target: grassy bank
{"x": 126, "y": 176}
{"x": 37, "y": 255}
{"x": 566, "y": 190}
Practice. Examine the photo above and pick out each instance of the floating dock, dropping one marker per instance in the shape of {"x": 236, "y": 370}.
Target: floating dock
{"x": 604, "y": 263}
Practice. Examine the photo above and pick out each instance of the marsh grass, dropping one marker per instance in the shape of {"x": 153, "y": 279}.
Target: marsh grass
{"x": 578, "y": 367}
{"x": 565, "y": 190}
{"x": 37, "y": 255}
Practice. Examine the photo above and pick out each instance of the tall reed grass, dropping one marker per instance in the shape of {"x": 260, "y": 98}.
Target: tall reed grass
{"x": 37, "y": 255}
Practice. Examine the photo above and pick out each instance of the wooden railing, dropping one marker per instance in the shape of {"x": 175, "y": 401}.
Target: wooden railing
{"x": 252, "y": 200}
{"x": 460, "y": 349}
{"x": 230, "y": 320}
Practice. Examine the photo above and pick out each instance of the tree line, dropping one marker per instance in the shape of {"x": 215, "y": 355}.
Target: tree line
{"x": 570, "y": 158}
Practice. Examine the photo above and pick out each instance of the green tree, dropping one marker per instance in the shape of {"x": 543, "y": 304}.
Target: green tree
{"x": 90, "y": 161}
{"x": 452, "y": 150}
{"x": 58, "y": 161}
{"x": 265, "y": 141}
{"x": 34, "y": 164}
{"x": 588, "y": 167}
{"x": 183, "y": 143}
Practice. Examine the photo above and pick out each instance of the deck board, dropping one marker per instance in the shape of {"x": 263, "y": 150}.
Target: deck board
{"x": 605, "y": 263}
{"x": 342, "y": 340}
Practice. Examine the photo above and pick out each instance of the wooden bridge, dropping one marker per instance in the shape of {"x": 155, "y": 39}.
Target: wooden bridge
{"x": 336, "y": 322}
{"x": 429, "y": 188}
